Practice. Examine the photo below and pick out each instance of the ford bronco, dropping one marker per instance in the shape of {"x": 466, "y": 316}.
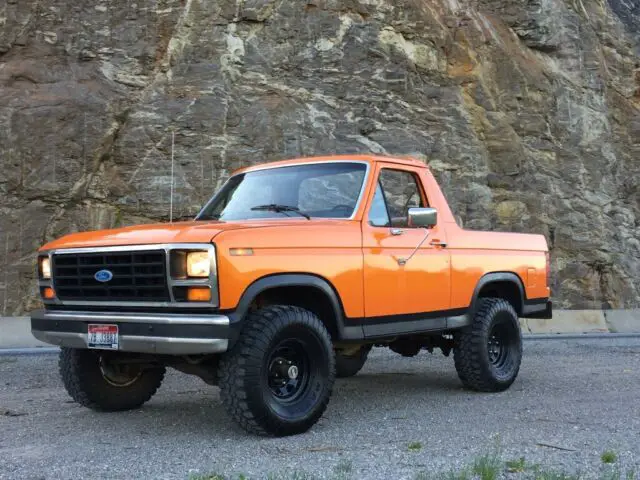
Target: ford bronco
{"x": 287, "y": 278}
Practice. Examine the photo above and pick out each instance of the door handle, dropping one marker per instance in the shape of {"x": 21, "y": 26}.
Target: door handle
{"x": 397, "y": 231}
{"x": 438, "y": 243}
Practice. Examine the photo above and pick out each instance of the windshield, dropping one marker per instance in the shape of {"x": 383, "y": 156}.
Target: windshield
{"x": 325, "y": 190}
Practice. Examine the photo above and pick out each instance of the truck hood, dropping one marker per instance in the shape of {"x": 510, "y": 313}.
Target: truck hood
{"x": 179, "y": 232}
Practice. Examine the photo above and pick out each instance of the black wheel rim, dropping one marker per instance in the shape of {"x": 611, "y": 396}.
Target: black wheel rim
{"x": 503, "y": 345}
{"x": 498, "y": 350}
{"x": 288, "y": 371}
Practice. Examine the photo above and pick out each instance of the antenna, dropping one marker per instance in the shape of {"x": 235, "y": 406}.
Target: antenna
{"x": 173, "y": 142}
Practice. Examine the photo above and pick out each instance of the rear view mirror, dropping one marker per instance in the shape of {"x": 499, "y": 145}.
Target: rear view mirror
{"x": 423, "y": 217}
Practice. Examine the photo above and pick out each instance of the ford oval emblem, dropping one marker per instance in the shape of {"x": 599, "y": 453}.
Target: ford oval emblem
{"x": 103, "y": 276}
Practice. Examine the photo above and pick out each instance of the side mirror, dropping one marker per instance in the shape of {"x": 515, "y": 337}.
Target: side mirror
{"x": 423, "y": 217}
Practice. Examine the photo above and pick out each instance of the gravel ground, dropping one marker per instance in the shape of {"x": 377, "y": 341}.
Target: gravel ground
{"x": 579, "y": 397}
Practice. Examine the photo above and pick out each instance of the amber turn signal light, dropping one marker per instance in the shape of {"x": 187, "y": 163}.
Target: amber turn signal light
{"x": 198, "y": 294}
{"x": 241, "y": 252}
{"x": 48, "y": 293}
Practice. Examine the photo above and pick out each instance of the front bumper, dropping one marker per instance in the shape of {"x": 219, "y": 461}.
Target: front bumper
{"x": 167, "y": 333}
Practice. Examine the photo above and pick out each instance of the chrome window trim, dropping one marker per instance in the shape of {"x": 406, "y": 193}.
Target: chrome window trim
{"x": 211, "y": 281}
{"x": 365, "y": 180}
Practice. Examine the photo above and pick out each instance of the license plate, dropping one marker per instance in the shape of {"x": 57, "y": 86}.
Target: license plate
{"x": 103, "y": 336}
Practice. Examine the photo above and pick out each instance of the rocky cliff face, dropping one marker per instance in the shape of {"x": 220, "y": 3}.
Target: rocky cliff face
{"x": 527, "y": 110}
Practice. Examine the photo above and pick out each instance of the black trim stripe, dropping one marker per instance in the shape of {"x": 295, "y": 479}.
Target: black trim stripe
{"x": 407, "y": 317}
{"x": 206, "y": 310}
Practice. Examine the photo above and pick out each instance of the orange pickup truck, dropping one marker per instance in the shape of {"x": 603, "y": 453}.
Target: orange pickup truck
{"x": 287, "y": 278}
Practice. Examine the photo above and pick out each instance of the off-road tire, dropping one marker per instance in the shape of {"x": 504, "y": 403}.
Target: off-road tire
{"x": 86, "y": 384}
{"x": 246, "y": 372}
{"x": 348, "y": 366}
{"x": 472, "y": 355}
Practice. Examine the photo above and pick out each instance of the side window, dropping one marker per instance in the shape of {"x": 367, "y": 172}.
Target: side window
{"x": 401, "y": 192}
{"x": 378, "y": 215}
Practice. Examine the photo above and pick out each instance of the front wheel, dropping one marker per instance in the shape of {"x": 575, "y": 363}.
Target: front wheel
{"x": 278, "y": 378}
{"x": 488, "y": 352}
{"x": 100, "y": 382}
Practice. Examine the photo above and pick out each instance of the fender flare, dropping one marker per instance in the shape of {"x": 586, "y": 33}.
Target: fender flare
{"x": 323, "y": 286}
{"x": 495, "y": 277}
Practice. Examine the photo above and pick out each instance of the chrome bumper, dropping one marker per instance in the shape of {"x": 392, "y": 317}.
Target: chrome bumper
{"x": 169, "y": 334}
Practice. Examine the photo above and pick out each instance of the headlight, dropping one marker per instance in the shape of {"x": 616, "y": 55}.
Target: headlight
{"x": 198, "y": 264}
{"x": 45, "y": 267}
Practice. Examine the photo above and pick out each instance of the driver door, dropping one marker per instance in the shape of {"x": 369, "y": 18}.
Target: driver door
{"x": 402, "y": 297}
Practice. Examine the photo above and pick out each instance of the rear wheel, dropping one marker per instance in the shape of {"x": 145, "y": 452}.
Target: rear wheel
{"x": 488, "y": 352}
{"x": 349, "y": 365}
{"x": 278, "y": 378}
{"x": 100, "y": 382}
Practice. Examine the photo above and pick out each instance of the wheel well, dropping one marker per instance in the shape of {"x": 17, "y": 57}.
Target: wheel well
{"x": 307, "y": 297}
{"x": 506, "y": 290}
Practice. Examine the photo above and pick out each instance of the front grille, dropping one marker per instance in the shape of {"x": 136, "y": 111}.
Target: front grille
{"x": 138, "y": 276}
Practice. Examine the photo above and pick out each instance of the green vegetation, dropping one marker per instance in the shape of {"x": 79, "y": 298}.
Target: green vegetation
{"x": 614, "y": 473}
{"x": 553, "y": 475}
{"x": 490, "y": 466}
{"x": 516, "y": 466}
{"x": 460, "y": 475}
{"x": 608, "y": 456}
{"x": 208, "y": 476}
{"x": 292, "y": 476}
{"x": 415, "y": 446}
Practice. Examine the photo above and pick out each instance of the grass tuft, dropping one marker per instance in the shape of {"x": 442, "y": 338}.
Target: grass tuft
{"x": 207, "y": 476}
{"x": 488, "y": 466}
{"x": 464, "y": 474}
{"x": 415, "y": 446}
{"x": 516, "y": 466}
{"x": 453, "y": 474}
{"x": 551, "y": 475}
{"x": 291, "y": 476}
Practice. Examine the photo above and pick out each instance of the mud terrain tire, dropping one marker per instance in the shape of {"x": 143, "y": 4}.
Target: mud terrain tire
{"x": 278, "y": 378}
{"x": 488, "y": 353}
{"x": 88, "y": 384}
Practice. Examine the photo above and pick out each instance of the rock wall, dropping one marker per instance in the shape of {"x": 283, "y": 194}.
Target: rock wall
{"x": 527, "y": 110}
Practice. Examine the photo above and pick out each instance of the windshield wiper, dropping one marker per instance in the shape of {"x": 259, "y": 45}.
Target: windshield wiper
{"x": 274, "y": 207}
